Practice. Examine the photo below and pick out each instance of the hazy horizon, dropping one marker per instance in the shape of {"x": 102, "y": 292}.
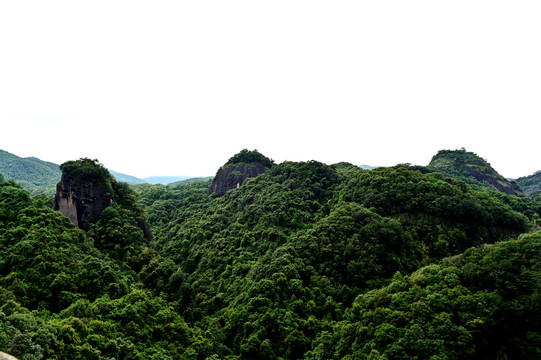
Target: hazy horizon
{"x": 183, "y": 176}
{"x": 191, "y": 84}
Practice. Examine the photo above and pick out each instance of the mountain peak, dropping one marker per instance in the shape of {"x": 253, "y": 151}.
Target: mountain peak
{"x": 239, "y": 167}
{"x": 472, "y": 169}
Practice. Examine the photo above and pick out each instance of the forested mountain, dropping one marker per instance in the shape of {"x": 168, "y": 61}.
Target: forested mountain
{"x": 531, "y": 184}
{"x": 36, "y": 175}
{"x": 305, "y": 260}
{"x": 472, "y": 169}
{"x": 246, "y": 164}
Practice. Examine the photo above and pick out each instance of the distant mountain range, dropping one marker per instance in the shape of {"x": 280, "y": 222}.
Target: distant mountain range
{"x": 165, "y": 180}
{"x": 41, "y": 177}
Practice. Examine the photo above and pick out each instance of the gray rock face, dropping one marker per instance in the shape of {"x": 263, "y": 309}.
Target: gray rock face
{"x": 232, "y": 176}
{"x": 4, "y": 356}
{"x": 82, "y": 201}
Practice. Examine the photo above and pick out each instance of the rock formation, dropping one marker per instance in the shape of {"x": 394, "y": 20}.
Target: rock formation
{"x": 232, "y": 176}
{"x": 82, "y": 200}
{"x": 4, "y": 356}
{"x": 87, "y": 188}
{"x": 240, "y": 167}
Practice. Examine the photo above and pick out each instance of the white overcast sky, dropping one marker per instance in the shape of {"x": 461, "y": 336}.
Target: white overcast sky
{"x": 178, "y": 87}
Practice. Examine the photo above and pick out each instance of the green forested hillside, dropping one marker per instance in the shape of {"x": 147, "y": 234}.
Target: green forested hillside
{"x": 472, "y": 169}
{"x": 33, "y": 174}
{"x": 531, "y": 184}
{"x": 280, "y": 260}
{"x": 304, "y": 261}
{"x": 483, "y": 304}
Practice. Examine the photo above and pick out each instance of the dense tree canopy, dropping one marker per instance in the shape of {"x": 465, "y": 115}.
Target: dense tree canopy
{"x": 35, "y": 175}
{"x": 246, "y": 156}
{"x": 304, "y": 261}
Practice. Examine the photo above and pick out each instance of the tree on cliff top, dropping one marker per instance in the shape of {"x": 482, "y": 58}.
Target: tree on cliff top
{"x": 92, "y": 169}
{"x": 246, "y": 156}
{"x": 85, "y": 168}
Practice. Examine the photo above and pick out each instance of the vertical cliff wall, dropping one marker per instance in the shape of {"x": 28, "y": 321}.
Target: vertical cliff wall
{"x": 87, "y": 188}
{"x": 232, "y": 176}
{"x": 82, "y": 200}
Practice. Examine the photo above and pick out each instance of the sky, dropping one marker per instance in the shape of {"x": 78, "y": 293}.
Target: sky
{"x": 177, "y": 87}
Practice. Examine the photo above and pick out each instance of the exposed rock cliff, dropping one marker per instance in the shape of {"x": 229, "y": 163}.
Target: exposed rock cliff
{"x": 240, "y": 167}
{"x": 232, "y": 176}
{"x": 82, "y": 200}
{"x": 4, "y": 356}
{"x": 87, "y": 188}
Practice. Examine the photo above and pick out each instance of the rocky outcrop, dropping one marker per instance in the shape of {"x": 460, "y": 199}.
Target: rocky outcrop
{"x": 82, "y": 200}
{"x": 87, "y": 188}
{"x": 472, "y": 169}
{"x": 4, "y": 356}
{"x": 233, "y": 175}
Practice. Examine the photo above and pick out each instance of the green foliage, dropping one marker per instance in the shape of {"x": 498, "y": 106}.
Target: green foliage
{"x": 268, "y": 268}
{"x": 86, "y": 168}
{"x": 472, "y": 169}
{"x": 83, "y": 302}
{"x": 247, "y": 157}
{"x": 37, "y": 176}
{"x": 435, "y": 209}
{"x": 531, "y": 184}
{"x": 483, "y": 304}
{"x": 123, "y": 194}
{"x": 45, "y": 261}
{"x": 190, "y": 180}
{"x": 304, "y": 261}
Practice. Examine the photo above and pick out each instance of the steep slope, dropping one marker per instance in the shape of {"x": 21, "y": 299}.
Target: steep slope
{"x": 530, "y": 184}
{"x": 472, "y": 169}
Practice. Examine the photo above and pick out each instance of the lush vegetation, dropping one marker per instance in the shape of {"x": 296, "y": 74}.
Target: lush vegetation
{"x": 304, "y": 261}
{"x": 246, "y": 156}
{"x": 531, "y": 184}
{"x": 190, "y": 180}
{"x": 85, "y": 168}
{"x": 483, "y": 304}
{"x": 37, "y": 176}
{"x": 472, "y": 169}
